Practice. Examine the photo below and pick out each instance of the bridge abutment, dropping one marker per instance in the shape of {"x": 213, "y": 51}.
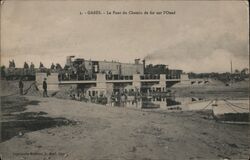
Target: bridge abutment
{"x": 185, "y": 79}
{"x": 52, "y": 81}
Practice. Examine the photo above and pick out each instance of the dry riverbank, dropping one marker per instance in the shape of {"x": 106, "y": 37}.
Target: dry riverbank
{"x": 213, "y": 90}
{"x": 120, "y": 133}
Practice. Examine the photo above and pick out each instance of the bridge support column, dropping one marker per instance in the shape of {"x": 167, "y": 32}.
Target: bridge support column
{"x": 185, "y": 79}
{"x": 137, "y": 81}
{"x": 162, "y": 82}
{"x": 103, "y": 86}
{"x": 101, "y": 83}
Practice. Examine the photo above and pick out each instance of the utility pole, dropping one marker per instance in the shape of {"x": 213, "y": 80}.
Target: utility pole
{"x": 231, "y": 75}
{"x": 231, "y": 67}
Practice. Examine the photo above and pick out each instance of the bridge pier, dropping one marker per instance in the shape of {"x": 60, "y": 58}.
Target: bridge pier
{"x": 101, "y": 84}
{"x": 185, "y": 79}
{"x": 162, "y": 82}
{"x": 137, "y": 81}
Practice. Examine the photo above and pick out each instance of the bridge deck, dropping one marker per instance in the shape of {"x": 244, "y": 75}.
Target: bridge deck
{"x": 114, "y": 81}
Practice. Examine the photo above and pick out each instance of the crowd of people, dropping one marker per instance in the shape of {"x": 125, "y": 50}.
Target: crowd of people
{"x": 118, "y": 98}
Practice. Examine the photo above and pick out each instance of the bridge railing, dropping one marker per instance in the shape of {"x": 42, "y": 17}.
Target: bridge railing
{"x": 74, "y": 77}
{"x": 173, "y": 76}
{"x": 150, "y": 76}
{"x": 118, "y": 77}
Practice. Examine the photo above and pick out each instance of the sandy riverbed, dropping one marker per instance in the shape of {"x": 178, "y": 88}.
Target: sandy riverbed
{"x": 121, "y": 133}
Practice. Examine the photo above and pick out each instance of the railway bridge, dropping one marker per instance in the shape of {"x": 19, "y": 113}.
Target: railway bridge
{"x": 103, "y": 83}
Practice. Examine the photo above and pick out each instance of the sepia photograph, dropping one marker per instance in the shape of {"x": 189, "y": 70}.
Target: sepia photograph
{"x": 124, "y": 80}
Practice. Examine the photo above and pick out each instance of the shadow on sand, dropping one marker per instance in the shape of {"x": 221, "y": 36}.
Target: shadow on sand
{"x": 16, "y": 124}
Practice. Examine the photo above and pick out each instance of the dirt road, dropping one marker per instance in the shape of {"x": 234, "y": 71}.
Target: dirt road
{"x": 120, "y": 133}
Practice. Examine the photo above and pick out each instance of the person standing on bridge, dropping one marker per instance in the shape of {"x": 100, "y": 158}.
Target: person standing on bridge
{"x": 45, "y": 88}
{"x": 21, "y": 86}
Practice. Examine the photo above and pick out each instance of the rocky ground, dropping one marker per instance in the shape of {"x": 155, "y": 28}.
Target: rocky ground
{"x": 99, "y": 132}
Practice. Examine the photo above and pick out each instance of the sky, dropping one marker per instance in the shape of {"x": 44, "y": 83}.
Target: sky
{"x": 202, "y": 36}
